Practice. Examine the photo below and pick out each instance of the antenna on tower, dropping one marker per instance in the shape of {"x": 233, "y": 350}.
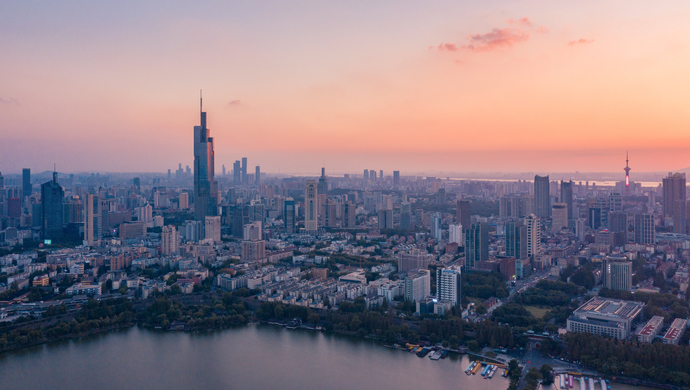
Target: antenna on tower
{"x": 201, "y": 101}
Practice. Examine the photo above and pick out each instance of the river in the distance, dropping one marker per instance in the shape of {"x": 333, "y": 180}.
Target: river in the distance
{"x": 249, "y": 357}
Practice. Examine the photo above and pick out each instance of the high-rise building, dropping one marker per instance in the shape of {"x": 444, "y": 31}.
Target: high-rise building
{"x": 533, "y": 235}
{"x": 184, "y": 201}
{"x": 385, "y": 219}
{"x": 675, "y": 201}
{"x": 396, "y": 178}
{"x": 90, "y": 205}
{"x": 405, "y": 216}
{"x": 349, "y": 219}
{"x": 618, "y": 222}
{"x": 627, "y": 175}
{"x": 254, "y": 251}
{"x": 2, "y": 196}
{"x": 372, "y": 175}
{"x": 257, "y": 177}
{"x": 26, "y": 181}
{"x": 559, "y": 216}
{"x": 617, "y": 273}
{"x": 237, "y": 172}
{"x": 567, "y": 196}
{"x": 542, "y": 197}
{"x": 205, "y": 185}
{"x": 245, "y": 179}
{"x": 322, "y": 187}
{"x": 455, "y": 234}
{"x": 436, "y": 221}
{"x": 476, "y": 244}
{"x": 418, "y": 286}
{"x": 170, "y": 241}
{"x": 212, "y": 228}
{"x": 51, "y": 209}
{"x": 289, "y": 215}
{"x": 463, "y": 213}
{"x": 516, "y": 240}
{"x": 449, "y": 285}
{"x": 311, "y": 208}
{"x": 644, "y": 229}
{"x": 366, "y": 175}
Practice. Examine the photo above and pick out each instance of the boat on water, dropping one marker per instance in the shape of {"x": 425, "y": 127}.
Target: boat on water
{"x": 570, "y": 381}
{"x": 476, "y": 368}
{"x": 425, "y": 351}
{"x": 561, "y": 381}
{"x": 486, "y": 369}
{"x": 591, "y": 383}
{"x": 505, "y": 373}
{"x": 603, "y": 384}
{"x": 582, "y": 383}
{"x": 444, "y": 354}
{"x": 435, "y": 355}
{"x": 469, "y": 368}
{"x": 492, "y": 372}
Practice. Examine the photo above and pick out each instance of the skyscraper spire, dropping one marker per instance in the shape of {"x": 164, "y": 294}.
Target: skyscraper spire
{"x": 627, "y": 174}
{"x": 201, "y": 102}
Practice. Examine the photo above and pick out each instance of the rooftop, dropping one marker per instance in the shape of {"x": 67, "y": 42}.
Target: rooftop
{"x": 610, "y": 308}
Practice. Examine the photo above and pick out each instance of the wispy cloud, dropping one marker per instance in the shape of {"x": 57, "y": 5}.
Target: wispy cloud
{"x": 235, "y": 102}
{"x": 579, "y": 41}
{"x": 9, "y": 102}
{"x": 518, "y": 31}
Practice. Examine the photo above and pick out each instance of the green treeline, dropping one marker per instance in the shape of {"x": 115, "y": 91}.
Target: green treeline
{"x": 663, "y": 363}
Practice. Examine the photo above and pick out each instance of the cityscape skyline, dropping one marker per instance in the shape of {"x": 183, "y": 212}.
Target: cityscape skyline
{"x": 399, "y": 98}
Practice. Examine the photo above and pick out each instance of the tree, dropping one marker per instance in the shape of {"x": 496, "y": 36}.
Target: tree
{"x": 314, "y": 318}
{"x": 546, "y": 371}
{"x": 355, "y": 323}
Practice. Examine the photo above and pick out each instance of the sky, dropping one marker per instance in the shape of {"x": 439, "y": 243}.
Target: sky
{"x": 442, "y": 86}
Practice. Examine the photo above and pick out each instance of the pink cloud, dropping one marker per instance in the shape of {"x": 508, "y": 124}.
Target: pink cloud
{"x": 581, "y": 40}
{"x": 448, "y": 46}
{"x": 10, "y": 101}
{"x": 496, "y": 38}
{"x": 235, "y": 102}
{"x": 522, "y": 22}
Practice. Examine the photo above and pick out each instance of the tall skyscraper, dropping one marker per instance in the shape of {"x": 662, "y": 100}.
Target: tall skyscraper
{"x": 617, "y": 273}
{"x": 349, "y": 215}
{"x": 385, "y": 219}
{"x": 644, "y": 229}
{"x": 366, "y": 175}
{"x": 237, "y": 172}
{"x": 542, "y": 197}
{"x": 289, "y": 215}
{"x": 405, "y": 215}
{"x": 26, "y": 181}
{"x": 205, "y": 185}
{"x": 463, "y": 214}
{"x": 2, "y": 196}
{"x": 311, "y": 207}
{"x": 257, "y": 178}
{"x": 476, "y": 244}
{"x": 516, "y": 240}
{"x": 245, "y": 179}
{"x": 449, "y": 285}
{"x": 170, "y": 241}
{"x": 396, "y": 178}
{"x": 675, "y": 204}
{"x": 560, "y": 217}
{"x": 436, "y": 222}
{"x": 567, "y": 196}
{"x": 51, "y": 209}
{"x": 323, "y": 183}
{"x": 212, "y": 228}
{"x": 418, "y": 286}
{"x": 533, "y": 235}
{"x": 89, "y": 219}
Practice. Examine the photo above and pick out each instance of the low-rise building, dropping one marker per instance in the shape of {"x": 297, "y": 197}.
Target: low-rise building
{"x": 675, "y": 332}
{"x": 651, "y": 329}
{"x": 602, "y": 316}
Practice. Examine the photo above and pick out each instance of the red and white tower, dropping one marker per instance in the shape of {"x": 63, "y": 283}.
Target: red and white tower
{"x": 627, "y": 175}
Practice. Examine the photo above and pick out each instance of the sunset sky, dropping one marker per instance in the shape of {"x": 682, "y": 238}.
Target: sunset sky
{"x": 462, "y": 86}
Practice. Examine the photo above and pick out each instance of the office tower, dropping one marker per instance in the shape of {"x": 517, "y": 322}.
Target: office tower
{"x": 289, "y": 215}
{"x": 254, "y": 251}
{"x": 245, "y": 179}
{"x": 311, "y": 208}
{"x": 542, "y": 197}
{"x": 51, "y": 209}
{"x": 205, "y": 186}
{"x": 627, "y": 175}
{"x": 184, "y": 201}
{"x": 212, "y": 228}
{"x": 14, "y": 208}
{"x": 644, "y": 229}
{"x": 349, "y": 215}
{"x": 567, "y": 196}
{"x": 405, "y": 216}
{"x": 372, "y": 175}
{"x": 2, "y": 195}
{"x": 414, "y": 260}
{"x": 322, "y": 187}
{"x": 385, "y": 219}
{"x": 618, "y": 222}
{"x": 462, "y": 214}
{"x": 594, "y": 217}
{"x": 449, "y": 285}
{"x": 674, "y": 200}
{"x": 252, "y": 231}
{"x": 418, "y": 286}
{"x": 615, "y": 203}
{"x": 137, "y": 183}
{"x": 257, "y": 176}
{"x": 170, "y": 241}
{"x": 516, "y": 240}
{"x": 476, "y": 244}
{"x": 366, "y": 175}
{"x": 436, "y": 221}
{"x": 559, "y": 219}
{"x": 223, "y": 169}
{"x": 533, "y": 235}
{"x": 419, "y": 217}
{"x": 396, "y": 178}
{"x": 381, "y": 174}
{"x": 580, "y": 225}
{"x": 26, "y": 181}
{"x": 441, "y": 196}
{"x": 617, "y": 273}
{"x": 237, "y": 172}
{"x": 328, "y": 212}
{"x": 455, "y": 233}
{"x": 89, "y": 219}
